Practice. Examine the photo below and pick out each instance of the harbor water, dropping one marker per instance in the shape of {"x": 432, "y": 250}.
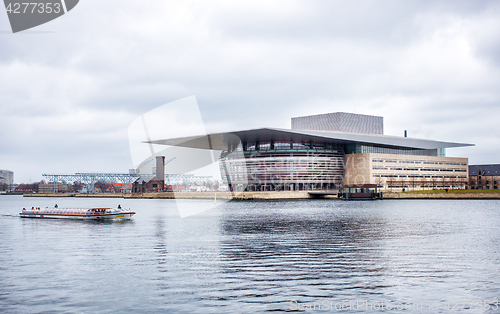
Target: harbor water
{"x": 421, "y": 256}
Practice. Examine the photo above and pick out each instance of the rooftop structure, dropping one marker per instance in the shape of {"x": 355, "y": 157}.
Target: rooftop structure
{"x": 340, "y": 122}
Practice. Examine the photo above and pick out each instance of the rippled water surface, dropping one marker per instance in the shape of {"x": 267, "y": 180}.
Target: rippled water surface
{"x": 253, "y": 257}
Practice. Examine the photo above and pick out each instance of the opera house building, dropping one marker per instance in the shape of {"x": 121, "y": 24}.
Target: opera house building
{"x": 323, "y": 152}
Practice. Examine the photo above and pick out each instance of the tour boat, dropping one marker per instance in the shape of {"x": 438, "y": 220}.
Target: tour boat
{"x": 96, "y": 213}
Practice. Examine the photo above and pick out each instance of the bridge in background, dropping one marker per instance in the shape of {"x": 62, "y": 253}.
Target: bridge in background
{"x": 90, "y": 178}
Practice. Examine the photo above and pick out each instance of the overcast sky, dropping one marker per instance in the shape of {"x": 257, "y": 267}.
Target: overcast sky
{"x": 69, "y": 89}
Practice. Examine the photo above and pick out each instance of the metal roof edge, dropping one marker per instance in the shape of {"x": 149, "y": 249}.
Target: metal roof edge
{"x": 378, "y": 139}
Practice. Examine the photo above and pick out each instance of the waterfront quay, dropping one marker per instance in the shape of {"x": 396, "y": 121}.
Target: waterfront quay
{"x": 279, "y": 195}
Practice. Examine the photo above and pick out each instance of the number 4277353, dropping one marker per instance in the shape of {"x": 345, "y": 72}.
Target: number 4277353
{"x": 30, "y": 8}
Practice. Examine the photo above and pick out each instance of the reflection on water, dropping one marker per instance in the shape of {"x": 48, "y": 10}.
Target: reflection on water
{"x": 250, "y": 256}
{"x": 300, "y": 257}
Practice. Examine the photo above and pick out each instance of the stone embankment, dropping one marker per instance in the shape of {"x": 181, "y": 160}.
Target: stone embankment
{"x": 445, "y": 196}
{"x": 271, "y": 195}
{"x": 282, "y": 195}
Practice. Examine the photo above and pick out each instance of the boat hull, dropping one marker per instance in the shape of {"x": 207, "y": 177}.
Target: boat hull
{"x": 124, "y": 215}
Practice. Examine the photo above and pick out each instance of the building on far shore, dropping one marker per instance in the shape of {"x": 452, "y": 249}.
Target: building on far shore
{"x": 48, "y": 188}
{"x": 6, "y": 180}
{"x": 152, "y": 184}
{"x": 322, "y": 152}
{"x": 484, "y": 176}
{"x": 148, "y": 185}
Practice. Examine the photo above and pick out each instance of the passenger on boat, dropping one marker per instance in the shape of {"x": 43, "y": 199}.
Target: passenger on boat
{"x": 119, "y": 207}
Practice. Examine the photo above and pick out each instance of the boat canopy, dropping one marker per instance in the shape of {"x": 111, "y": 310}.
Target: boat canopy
{"x": 67, "y": 211}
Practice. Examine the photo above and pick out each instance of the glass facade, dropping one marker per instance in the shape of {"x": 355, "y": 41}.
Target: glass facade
{"x": 363, "y": 149}
{"x": 283, "y": 165}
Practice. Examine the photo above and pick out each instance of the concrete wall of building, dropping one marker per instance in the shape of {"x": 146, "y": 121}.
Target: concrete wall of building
{"x": 398, "y": 172}
{"x": 160, "y": 167}
{"x": 358, "y": 169}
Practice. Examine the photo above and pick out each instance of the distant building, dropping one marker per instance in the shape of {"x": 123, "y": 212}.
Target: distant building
{"x": 26, "y": 188}
{"x": 119, "y": 188}
{"x": 323, "y": 152}
{"x": 47, "y": 188}
{"x": 155, "y": 184}
{"x": 151, "y": 185}
{"x": 6, "y": 180}
{"x": 484, "y": 176}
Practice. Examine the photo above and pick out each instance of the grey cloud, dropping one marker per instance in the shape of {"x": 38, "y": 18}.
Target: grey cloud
{"x": 386, "y": 22}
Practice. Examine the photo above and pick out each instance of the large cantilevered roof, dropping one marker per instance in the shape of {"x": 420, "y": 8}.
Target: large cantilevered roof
{"x": 219, "y": 141}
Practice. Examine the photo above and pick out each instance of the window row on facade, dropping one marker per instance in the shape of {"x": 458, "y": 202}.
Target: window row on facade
{"x": 420, "y": 169}
{"x": 372, "y": 149}
{"x": 420, "y": 162}
{"x": 286, "y": 145}
{"x": 414, "y": 176}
